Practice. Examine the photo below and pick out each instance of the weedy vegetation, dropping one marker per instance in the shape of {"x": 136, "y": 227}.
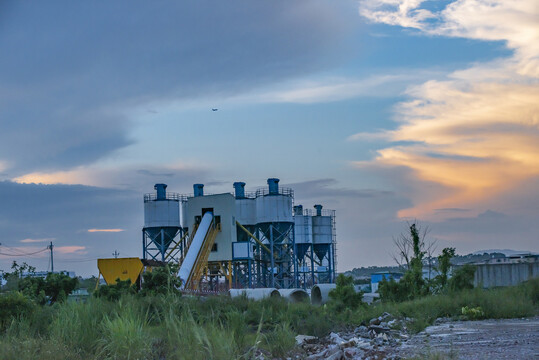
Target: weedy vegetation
{"x": 119, "y": 322}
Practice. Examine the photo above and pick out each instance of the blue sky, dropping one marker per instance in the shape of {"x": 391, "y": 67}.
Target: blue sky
{"x": 384, "y": 110}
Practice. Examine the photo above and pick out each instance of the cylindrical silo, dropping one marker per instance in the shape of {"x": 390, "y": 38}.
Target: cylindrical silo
{"x": 303, "y": 233}
{"x": 275, "y": 223}
{"x": 184, "y": 205}
{"x": 161, "y": 222}
{"x": 322, "y": 233}
{"x": 245, "y": 211}
{"x": 274, "y": 205}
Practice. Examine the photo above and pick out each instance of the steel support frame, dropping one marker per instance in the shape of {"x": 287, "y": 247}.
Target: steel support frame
{"x": 282, "y": 272}
{"x": 305, "y": 277}
{"x": 252, "y": 273}
{"x": 154, "y": 248}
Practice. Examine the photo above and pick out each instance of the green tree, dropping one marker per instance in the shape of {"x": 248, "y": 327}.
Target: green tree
{"x": 412, "y": 284}
{"x": 444, "y": 265}
{"x": 415, "y": 275}
{"x": 54, "y": 288}
{"x": 16, "y": 275}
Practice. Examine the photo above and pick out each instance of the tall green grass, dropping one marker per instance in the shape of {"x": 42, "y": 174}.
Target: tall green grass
{"x": 498, "y": 303}
{"x": 174, "y": 327}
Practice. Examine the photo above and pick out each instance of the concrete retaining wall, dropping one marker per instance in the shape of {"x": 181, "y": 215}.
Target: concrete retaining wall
{"x": 491, "y": 275}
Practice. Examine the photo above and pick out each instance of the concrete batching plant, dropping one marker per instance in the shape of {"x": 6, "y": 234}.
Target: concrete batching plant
{"x": 241, "y": 240}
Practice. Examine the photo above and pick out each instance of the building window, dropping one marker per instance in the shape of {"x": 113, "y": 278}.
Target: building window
{"x": 214, "y": 247}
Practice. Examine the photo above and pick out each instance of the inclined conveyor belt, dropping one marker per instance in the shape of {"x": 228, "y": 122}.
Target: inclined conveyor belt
{"x": 188, "y": 264}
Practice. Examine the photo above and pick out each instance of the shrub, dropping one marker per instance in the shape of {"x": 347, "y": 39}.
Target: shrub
{"x": 161, "y": 280}
{"x": 394, "y": 291}
{"x": 473, "y": 313}
{"x": 14, "y": 305}
{"x": 115, "y": 292}
{"x": 54, "y": 288}
{"x": 531, "y": 290}
{"x": 344, "y": 295}
{"x": 462, "y": 278}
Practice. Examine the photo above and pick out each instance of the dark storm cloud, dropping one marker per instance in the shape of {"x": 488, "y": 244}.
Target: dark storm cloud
{"x": 38, "y": 211}
{"x": 68, "y": 69}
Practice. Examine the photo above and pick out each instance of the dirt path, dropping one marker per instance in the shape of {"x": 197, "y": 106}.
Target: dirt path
{"x": 487, "y": 339}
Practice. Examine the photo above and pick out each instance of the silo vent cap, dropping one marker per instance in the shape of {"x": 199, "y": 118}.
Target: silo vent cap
{"x": 161, "y": 191}
{"x": 198, "y": 189}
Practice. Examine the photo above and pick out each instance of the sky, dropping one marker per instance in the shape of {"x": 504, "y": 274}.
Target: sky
{"x": 388, "y": 111}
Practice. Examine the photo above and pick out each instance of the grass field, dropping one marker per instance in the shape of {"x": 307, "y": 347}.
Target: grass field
{"x": 175, "y": 327}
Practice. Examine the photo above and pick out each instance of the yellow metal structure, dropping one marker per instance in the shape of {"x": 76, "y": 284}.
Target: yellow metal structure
{"x": 254, "y": 237}
{"x": 188, "y": 243}
{"x": 120, "y": 268}
{"x": 201, "y": 262}
{"x": 220, "y": 269}
{"x": 176, "y": 246}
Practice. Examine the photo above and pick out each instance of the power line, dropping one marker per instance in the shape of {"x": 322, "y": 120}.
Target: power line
{"x": 25, "y": 254}
{"x": 75, "y": 260}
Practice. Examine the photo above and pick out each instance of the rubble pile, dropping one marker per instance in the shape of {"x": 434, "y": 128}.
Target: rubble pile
{"x": 377, "y": 340}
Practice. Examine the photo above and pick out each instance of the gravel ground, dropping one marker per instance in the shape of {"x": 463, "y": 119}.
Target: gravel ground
{"x": 388, "y": 338}
{"x": 486, "y": 339}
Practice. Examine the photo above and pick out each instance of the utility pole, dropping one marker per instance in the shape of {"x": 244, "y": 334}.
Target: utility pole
{"x": 115, "y": 254}
{"x": 50, "y": 247}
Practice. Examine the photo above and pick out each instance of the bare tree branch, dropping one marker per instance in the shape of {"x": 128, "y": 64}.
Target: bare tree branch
{"x": 404, "y": 245}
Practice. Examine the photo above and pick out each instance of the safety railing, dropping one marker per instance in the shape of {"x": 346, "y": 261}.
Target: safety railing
{"x": 281, "y": 191}
{"x": 312, "y": 212}
{"x": 168, "y": 196}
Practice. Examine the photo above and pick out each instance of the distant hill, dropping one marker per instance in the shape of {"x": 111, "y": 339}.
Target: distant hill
{"x": 506, "y": 252}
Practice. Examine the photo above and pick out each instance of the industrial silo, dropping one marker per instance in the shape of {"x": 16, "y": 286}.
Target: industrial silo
{"x": 324, "y": 243}
{"x": 245, "y": 211}
{"x": 161, "y": 223}
{"x": 244, "y": 249}
{"x": 303, "y": 235}
{"x": 275, "y": 227}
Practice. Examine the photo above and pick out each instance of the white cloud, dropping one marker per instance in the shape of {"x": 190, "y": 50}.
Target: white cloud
{"x": 477, "y": 132}
{"x": 110, "y": 176}
{"x": 514, "y": 22}
{"x": 105, "y": 230}
{"x": 37, "y": 240}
